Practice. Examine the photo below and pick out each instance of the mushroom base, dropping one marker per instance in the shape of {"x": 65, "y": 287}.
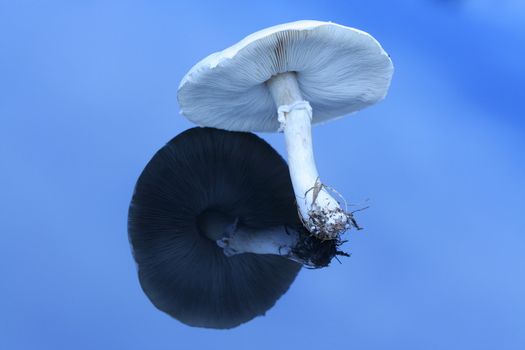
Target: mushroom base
{"x": 321, "y": 222}
{"x": 315, "y": 253}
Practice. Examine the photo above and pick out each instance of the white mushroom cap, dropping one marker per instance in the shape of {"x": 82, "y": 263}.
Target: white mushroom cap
{"x": 339, "y": 70}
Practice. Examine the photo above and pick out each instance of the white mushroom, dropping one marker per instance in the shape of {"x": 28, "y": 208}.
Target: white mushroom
{"x": 312, "y": 72}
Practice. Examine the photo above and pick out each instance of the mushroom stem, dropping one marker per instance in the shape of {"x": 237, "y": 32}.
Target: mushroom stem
{"x": 321, "y": 213}
{"x": 277, "y": 240}
{"x": 296, "y": 245}
{"x": 235, "y": 238}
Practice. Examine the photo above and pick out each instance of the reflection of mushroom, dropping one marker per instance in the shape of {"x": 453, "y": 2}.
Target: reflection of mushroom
{"x": 208, "y": 188}
{"x": 299, "y": 66}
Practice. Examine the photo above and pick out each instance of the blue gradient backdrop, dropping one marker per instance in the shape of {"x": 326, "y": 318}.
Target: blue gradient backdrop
{"x": 88, "y": 94}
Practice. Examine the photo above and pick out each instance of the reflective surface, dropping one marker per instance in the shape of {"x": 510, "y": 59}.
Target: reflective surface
{"x": 87, "y": 95}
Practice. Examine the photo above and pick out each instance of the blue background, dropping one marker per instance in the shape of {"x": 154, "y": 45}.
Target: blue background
{"x": 88, "y": 94}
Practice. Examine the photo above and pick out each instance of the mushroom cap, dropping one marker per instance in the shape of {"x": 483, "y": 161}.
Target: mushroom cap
{"x": 339, "y": 70}
{"x": 186, "y": 274}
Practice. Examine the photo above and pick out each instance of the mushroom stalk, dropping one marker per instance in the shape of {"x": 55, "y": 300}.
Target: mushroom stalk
{"x": 292, "y": 243}
{"x": 321, "y": 213}
{"x": 277, "y": 240}
{"x": 235, "y": 238}
{"x": 282, "y": 241}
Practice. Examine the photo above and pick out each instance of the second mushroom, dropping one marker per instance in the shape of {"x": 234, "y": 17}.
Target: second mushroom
{"x": 286, "y": 78}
